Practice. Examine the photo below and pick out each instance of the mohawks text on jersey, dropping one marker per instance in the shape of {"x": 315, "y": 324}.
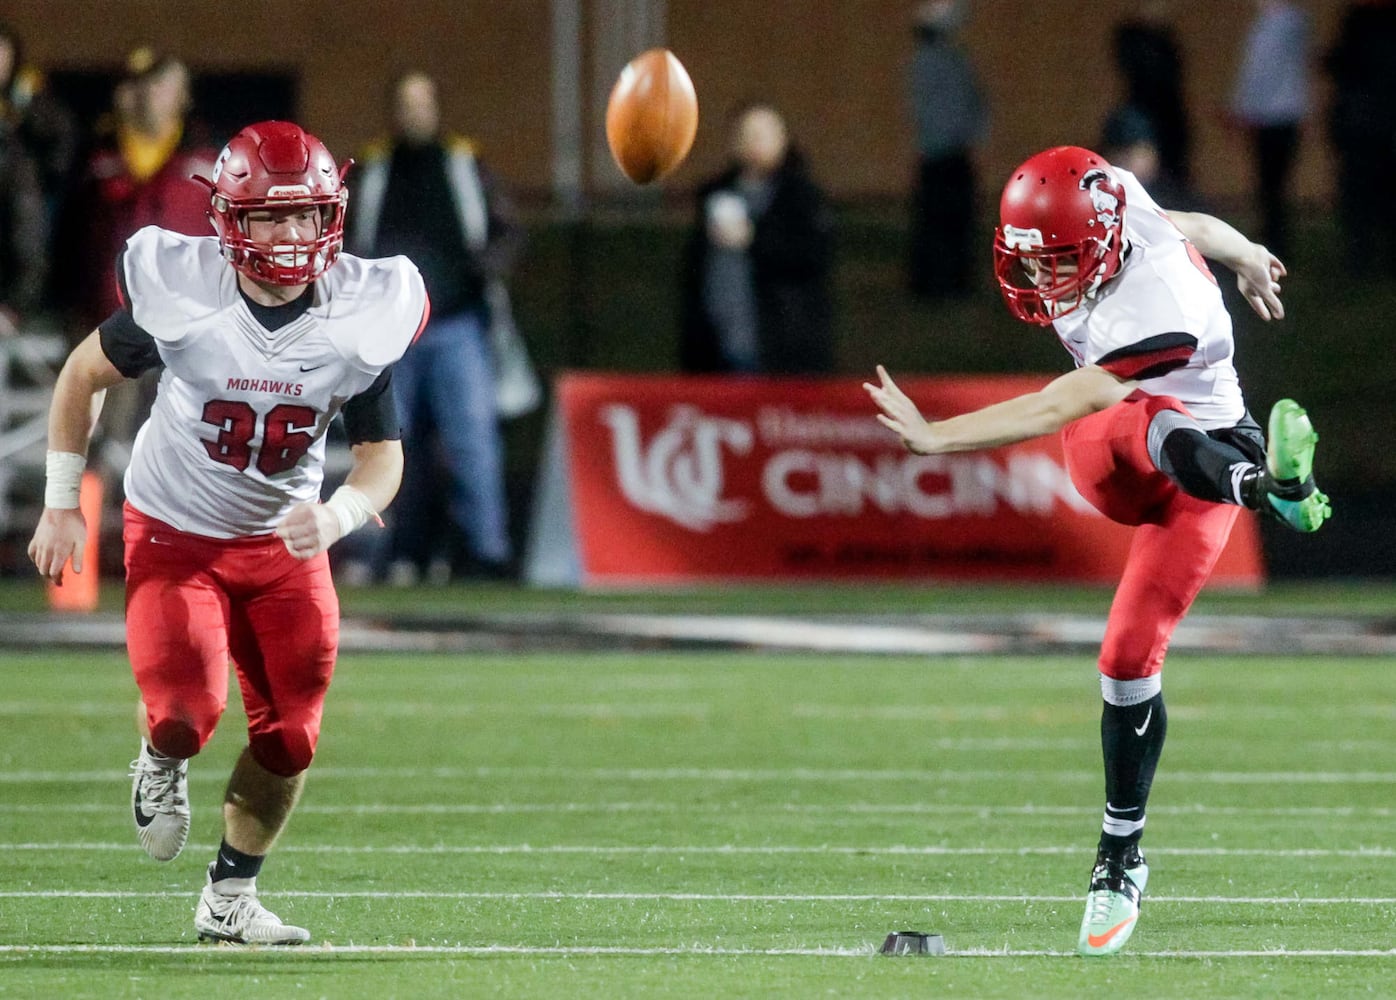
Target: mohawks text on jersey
{"x": 265, "y": 385}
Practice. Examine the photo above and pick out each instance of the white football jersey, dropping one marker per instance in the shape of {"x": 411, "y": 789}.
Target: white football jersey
{"x": 1161, "y": 319}
{"x": 236, "y": 436}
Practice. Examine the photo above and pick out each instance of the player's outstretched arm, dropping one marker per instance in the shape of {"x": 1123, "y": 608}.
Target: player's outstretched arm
{"x": 373, "y": 480}
{"x": 1258, "y": 271}
{"x": 77, "y": 400}
{"x": 1074, "y": 395}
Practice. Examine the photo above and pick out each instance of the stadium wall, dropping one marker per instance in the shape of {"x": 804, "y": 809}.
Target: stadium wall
{"x": 838, "y": 67}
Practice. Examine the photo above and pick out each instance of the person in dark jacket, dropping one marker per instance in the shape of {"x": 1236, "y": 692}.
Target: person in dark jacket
{"x": 757, "y": 264}
{"x": 1149, "y": 58}
{"x": 425, "y": 193}
{"x": 1362, "y": 129}
{"x": 23, "y": 253}
{"x": 951, "y": 118}
{"x": 42, "y": 133}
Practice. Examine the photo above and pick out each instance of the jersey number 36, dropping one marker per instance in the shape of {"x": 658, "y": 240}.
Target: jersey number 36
{"x": 286, "y": 435}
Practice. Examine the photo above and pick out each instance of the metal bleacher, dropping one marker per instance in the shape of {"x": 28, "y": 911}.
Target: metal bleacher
{"x": 29, "y": 363}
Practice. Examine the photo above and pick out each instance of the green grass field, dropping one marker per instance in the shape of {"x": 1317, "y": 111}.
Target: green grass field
{"x": 685, "y": 825}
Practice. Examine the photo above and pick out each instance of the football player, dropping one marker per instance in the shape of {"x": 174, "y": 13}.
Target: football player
{"x": 1156, "y": 434}
{"x": 264, "y": 332}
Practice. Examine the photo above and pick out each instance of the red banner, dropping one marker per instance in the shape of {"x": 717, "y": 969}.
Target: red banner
{"x": 671, "y": 479}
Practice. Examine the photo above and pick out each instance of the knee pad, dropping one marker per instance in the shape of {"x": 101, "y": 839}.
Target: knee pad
{"x": 180, "y": 726}
{"x": 284, "y": 752}
{"x": 177, "y": 738}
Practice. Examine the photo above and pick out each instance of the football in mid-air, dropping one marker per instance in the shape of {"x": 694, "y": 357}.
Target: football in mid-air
{"x": 652, "y": 116}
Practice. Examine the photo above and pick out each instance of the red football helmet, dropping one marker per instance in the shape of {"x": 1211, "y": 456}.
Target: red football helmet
{"x": 1061, "y": 232}
{"x": 277, "y": 165}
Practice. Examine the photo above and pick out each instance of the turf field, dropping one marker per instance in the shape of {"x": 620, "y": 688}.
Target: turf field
{"x": 714, "y": 824}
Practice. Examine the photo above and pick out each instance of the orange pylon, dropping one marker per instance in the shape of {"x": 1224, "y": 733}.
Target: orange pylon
{"x": 80, "y": 591}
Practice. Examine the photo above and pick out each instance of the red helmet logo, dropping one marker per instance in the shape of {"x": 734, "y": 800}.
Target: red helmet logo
{"x": 276, "y": 166}
{"x": 1061, "y": 232}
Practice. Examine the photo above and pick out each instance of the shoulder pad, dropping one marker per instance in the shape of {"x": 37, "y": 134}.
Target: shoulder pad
{"x": 378, "y": 308}
{"x": 171, "y": 279}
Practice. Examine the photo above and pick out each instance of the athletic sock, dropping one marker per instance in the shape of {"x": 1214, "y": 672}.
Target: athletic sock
{"x": 1206, "y": 468}
{"x": 1131, "y": 737}
{"x": 232, "y": 863}
{"x": 162, "y": 759}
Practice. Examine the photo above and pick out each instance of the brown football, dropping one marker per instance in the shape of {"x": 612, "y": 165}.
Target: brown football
{"x": 652, "y": 116}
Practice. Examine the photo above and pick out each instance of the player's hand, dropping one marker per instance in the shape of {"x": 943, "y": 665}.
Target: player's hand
{"x": 308, "y": 530}
{"x": 899, "y": 414}
{"x": 60, "y": 536}
{"x": 1258, "y": 278}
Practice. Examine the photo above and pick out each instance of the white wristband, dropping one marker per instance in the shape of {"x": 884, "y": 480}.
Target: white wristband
{"x": 63, "y": 479}
{"x": 352, "y": 509}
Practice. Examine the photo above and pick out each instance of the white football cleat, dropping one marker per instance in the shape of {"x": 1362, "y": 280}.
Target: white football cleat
{"x": 1112, "y": 904}
{"x": 228, "y": 910}
{"x": 160, "y": 804}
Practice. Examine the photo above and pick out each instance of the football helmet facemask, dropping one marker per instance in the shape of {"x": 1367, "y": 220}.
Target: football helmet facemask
{"x": 276, "y": 166}
{"x": 1061, "y": 233}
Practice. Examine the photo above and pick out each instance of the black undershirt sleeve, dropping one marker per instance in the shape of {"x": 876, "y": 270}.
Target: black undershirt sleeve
{"x": 127, "y": 346}
{"x": 372, "y": 414}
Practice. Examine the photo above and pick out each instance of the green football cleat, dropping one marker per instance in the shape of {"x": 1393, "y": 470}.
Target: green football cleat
{"x": 1291, "y": 495}
{"x": 1112, "y": 904}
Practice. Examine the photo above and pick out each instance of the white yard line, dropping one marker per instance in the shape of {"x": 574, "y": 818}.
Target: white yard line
{"x": 727, "y": 808}
{"x": 892, "y": 850}
{"x": 706, "y": 897}
{"x": 330, "y": 951}
{"x": 1238, "y": 953}
{"x": 412, "y": 709}
{"x": 719, "y": 774}
{"x": 913, "y": 713}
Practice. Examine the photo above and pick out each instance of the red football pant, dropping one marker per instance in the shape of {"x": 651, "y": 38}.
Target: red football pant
{"x": 1177, "y": 542}
{"x": 192, "y": 603}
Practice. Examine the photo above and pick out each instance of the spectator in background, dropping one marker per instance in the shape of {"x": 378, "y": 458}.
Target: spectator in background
{"x": 1127, "y": 140}
{"x": 1362, "y": 128}
{"x": 1150, "y": 62}
{"x": 23, "y": 250}
{"x": 755, "y": 294}
{"x": 44, "y": 126}
{"x": 138, "y": 174}
{"x": 951, "y": 118}
{"x": 425, "y": 193}
{"x": 1271, "y": 100}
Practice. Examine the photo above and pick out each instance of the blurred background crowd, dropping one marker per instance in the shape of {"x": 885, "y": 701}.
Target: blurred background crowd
{"x": 836, "y": 212}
